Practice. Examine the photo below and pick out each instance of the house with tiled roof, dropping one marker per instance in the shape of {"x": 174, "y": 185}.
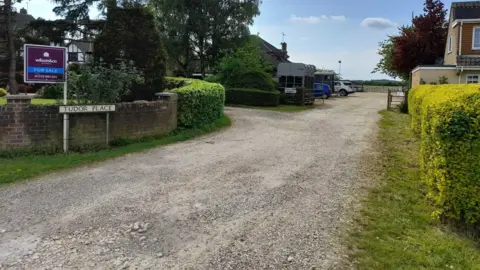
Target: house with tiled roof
{"x": 272, "y": 54}
{"x": 461, "y": 62}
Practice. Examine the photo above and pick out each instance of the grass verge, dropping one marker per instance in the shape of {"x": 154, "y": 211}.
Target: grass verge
{"x": 395, "y": 227}
{"x": 21, "y": 168}
{"x": 280, "y": 108}
{"x": 35, "y": 101}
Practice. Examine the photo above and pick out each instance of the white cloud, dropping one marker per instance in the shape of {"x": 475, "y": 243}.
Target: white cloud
{"x": 338, "y": 18}
{"x": 316, "y": 19}
{"x": 378, "y": 23}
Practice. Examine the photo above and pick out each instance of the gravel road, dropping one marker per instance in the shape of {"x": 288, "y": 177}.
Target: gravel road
{"x": 270, "y": 192}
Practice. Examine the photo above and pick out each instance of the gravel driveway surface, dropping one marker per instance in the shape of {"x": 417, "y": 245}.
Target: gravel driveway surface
{"x": 269, "y": 192}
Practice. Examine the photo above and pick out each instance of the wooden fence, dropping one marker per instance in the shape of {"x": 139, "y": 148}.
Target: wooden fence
{"x": 395, "y": 97}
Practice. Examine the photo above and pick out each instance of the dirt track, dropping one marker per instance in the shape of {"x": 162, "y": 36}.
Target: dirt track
{"x": 269, "y": 192}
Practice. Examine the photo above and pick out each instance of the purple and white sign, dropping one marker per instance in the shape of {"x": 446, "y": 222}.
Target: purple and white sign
{"x": 44, "y": 64}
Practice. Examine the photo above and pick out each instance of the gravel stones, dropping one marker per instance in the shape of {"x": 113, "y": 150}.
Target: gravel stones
{"x": 277, "y": 181}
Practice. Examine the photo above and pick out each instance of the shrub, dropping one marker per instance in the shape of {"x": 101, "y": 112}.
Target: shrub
{"x": 252, "y": 97}
{"x": 3, "y": 92}
{"x": 102, "y": 83}
{"x": 172, "y": 82}
{"x": 450, "y": 148}
{"x": 199, "y": 102}
{"x": 74, "y": 67}
{"x": 252, "y": 80}
{"x": 53, "y": 91}
{"x": 403, "y": 107}
{"x": 415, "y": 99}
{"x": 443, "y": 80}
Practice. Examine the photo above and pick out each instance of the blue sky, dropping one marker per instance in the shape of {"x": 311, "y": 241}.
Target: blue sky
{"x": 321, "y": 32}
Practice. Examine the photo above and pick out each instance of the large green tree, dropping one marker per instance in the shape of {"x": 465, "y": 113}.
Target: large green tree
{"x": 203, "y": 30}
{"x": 131, "y": 34}
{"x": 384, "y": 66}
{"x": 9, "y": 14}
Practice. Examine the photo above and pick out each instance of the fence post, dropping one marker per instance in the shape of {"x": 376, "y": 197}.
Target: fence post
{"x": 388, "y": 99}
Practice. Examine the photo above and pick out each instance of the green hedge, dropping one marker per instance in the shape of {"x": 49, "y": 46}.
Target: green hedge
{"x": 252, "y": 97}
{"x": 175, "y": 82}
{"x": 199, "y": 102}
{"x": 252, "y": 80}
{"x": 449, "y": 119}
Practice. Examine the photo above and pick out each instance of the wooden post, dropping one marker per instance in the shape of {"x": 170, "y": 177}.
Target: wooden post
{"x": 389, "y": 99}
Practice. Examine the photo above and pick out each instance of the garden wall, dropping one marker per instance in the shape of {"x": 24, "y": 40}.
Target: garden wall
{"x": 24, "y": 125}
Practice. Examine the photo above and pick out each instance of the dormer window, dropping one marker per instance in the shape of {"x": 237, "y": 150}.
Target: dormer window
{"x": 476, "y": 38}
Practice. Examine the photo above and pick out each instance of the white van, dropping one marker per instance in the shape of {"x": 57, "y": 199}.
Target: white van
{"x": 343, "y": 88}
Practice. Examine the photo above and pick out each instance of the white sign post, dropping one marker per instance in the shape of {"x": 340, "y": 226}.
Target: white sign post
{"x": 66, "y": 119}
{"x": 105, "y": 108}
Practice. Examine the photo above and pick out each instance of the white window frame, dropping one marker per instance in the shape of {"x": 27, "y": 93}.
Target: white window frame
{"x": 472, "y": 75}
{"x": 450, "y": 44}
{"x": 473, "y": 39}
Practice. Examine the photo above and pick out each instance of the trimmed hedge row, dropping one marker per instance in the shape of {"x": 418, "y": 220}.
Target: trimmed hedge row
{"x": 252, "y": 97}
{"x": 199, "y": 102}
{"x": 447, "y": 117}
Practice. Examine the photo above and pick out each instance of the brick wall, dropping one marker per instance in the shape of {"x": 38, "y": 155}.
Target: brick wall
{"x": 26, "y": 125}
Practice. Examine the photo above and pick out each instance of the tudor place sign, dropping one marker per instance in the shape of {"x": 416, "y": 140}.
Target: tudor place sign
{"x": 87, "y": 109}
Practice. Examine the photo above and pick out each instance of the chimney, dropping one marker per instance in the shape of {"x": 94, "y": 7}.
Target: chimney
{"x": 284, "y": 49}
{"x": 23, "y": 11}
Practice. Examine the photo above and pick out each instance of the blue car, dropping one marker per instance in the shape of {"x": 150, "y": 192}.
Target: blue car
{"x": 321, "y": 90}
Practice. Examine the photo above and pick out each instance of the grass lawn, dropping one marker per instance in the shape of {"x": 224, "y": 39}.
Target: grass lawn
{"x": 24, "y": 167}
{"x": 280, "y": 108}
{"x": 35, "y": 101}
{"x": 395, "y": 228}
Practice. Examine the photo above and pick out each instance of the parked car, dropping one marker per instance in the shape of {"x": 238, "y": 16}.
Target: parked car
{"x": 322, "y": 90}
{"x": 344, "y": 88}
{"x": 357, "y": 87}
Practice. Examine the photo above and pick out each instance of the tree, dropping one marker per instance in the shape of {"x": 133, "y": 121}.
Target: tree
{"x": 203, "y": 30}
{"x": 422, "y": 43}
{"x": 131, "y": 33}
{"x": 12, "y": 82}
{"x": 386, "y": 51}
{"x": 245, "y": 67}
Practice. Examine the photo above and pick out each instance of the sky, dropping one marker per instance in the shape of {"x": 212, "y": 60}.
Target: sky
{"x": 320, "y": 32}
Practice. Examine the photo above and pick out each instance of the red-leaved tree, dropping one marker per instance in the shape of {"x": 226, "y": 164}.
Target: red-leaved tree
{"x": 423, "y": 43}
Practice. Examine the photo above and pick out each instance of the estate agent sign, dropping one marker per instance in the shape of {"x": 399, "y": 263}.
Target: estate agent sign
{"x": 44, "y": 64}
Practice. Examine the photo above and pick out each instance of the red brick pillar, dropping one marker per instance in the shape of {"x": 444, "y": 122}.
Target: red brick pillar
{"x": 14, "y": 129}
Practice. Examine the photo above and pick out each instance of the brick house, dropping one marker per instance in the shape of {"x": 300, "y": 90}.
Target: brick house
{"x": 461, "y": 62}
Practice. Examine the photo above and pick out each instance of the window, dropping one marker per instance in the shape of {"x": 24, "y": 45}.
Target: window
{"x": 476, "y": 38}
{"x": 450, "y": 44}
{"x": 290, "y": 81}
{"x": 473, "y": 78}
{"x": 72, "y": 57}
